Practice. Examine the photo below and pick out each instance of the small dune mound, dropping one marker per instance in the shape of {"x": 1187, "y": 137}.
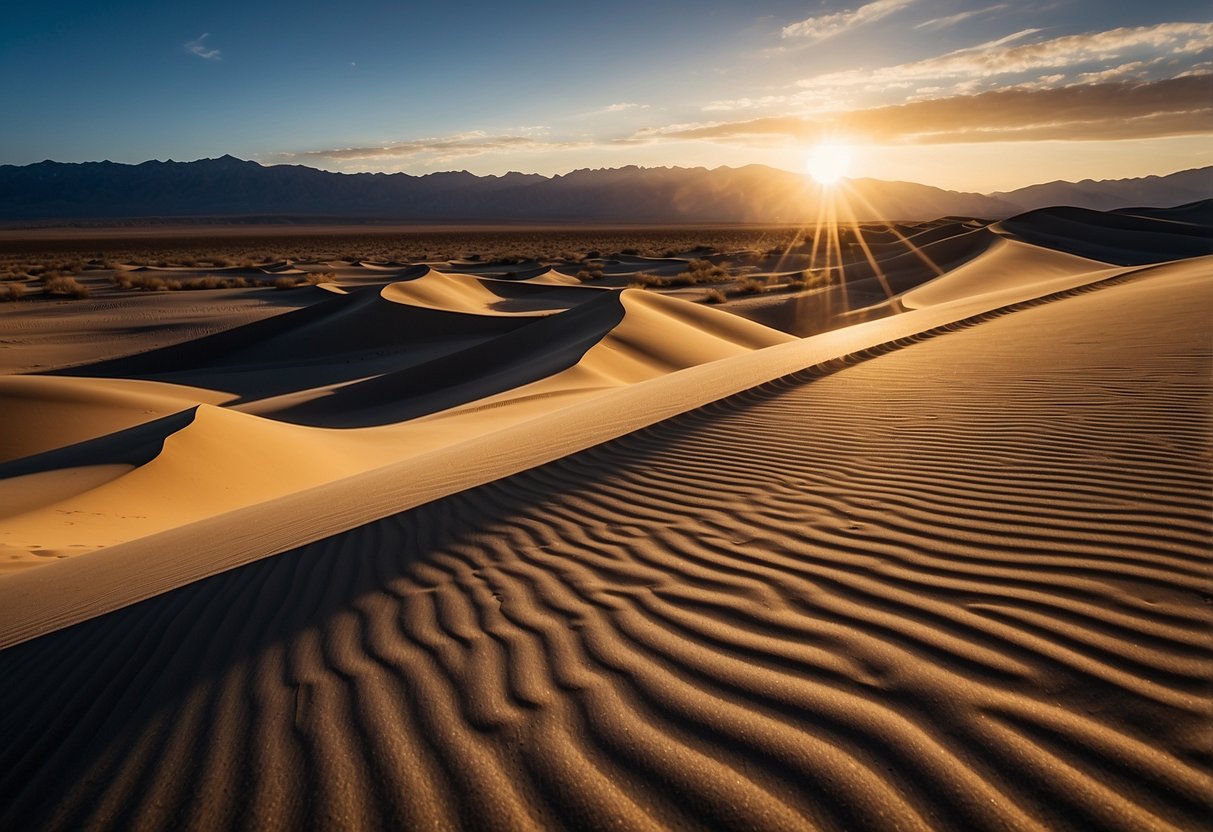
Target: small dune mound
{"x": 473, "y": 295}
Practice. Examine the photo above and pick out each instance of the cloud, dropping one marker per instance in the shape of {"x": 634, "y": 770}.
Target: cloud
{"x": 1008, "y": 56}
{"x": 1172, "y": 107}
{"x": 624, "y": 105}
{"x": 952, "y": 20}
{"x": 745, "y": 103}
{"x": 198, "y": 47}
{"x": 824, "y": 26}
{"x": 433, "y": 149}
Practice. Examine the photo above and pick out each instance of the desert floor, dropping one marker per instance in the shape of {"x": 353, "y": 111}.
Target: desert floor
{"x": 905, "y": 530}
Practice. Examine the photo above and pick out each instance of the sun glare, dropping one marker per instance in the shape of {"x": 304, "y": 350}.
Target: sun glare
{"x": 829, "y": 163}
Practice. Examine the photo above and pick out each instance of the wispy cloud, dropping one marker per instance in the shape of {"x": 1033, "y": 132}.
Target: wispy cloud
{"x": 824, "y": 26}
{"x": 198, "y": 47}
{"x": 1172, "y": 107}
{"x": 952, "y": 20}
{"x": 624, "y": 105}
{"x": 438, "y": 149}
{"x": 1009, "y": 56}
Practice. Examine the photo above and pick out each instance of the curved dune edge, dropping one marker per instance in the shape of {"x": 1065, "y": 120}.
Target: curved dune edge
{"x": 38, "y": 601}
{"x": 43, "y": 413}
{"x": 1001, "y": 267}
{"x": 474, "y": 295}
{"x": 223, "y": 459}
{"x": 962, "y": 586}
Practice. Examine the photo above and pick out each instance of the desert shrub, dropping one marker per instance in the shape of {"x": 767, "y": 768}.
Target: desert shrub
{"x": 648, "y": 280}
{"x": 147, "y": 283}
{"x": 14, "y": 292}
{"x": 285, "y": 283}
{"x": 749, "y": 286}
{"x": 593, "y": 273}
{"x": 209, "y": 281}
{"x": 714, "y": 296}
{"x": 67, "y": 286}
{"x": 316, "y": 278}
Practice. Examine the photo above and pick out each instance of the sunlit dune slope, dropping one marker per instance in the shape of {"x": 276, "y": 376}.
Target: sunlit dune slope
{"x": 955, "y": 581}
{"x": 221, "y": 459}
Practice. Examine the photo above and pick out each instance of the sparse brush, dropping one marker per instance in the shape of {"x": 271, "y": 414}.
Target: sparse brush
{"x": 14, "y": 292}
{"x": 209, "y": 281}
{"x": 589, "y": 274}
{"x": 316, "y": 278}
{"x": 749, "y": 286}
{"x": 285, "y": 283}
{"x": 648, "y": 280}
{"x": 66, "y": 286}
{"x": 715, "y": 296}
{"x": 147, "y": 283}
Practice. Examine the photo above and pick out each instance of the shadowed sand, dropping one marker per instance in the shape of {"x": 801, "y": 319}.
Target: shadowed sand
{"x": 945, "y": 570}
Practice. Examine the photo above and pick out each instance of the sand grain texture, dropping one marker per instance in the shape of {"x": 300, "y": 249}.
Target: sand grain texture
{"x": 960, "y": 581}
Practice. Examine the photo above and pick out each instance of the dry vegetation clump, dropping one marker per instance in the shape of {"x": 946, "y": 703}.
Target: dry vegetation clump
{"x": 648, "y": 280}
{"x": 285, "y": 282}
{"x": 749, "y": 286}
{"x": 590, "y": 274}
{"x": 142, "y": 282}
{"x": 316, "y": 278}
{"x": 702, "y": 271}
{"x": 213, "y": 281}
{"x": 715, "y": 296}
{"x": 65, "y": 286}
{"x": 13, "y": 292}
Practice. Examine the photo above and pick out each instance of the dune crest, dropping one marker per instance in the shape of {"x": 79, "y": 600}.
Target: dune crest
{"x": 460, "y": 545}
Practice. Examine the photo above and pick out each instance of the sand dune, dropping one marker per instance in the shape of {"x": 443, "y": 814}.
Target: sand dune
{"x": 455, "y": 548}
{"x": 42, "y": 413}
{"x": 1108, "y": 236}
{"x": 471, "y": 295}
{"x": 858, "y": 600}
{"x": 218, "y": 460}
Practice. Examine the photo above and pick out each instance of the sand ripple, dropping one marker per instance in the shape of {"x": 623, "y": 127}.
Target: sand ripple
{"x": 963, "y": 584}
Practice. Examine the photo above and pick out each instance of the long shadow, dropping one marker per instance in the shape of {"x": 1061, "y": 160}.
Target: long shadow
{"x": 69, "y": 698}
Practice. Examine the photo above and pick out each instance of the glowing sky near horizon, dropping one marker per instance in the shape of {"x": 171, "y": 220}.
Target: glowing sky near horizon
{"x": 982, "y": 96}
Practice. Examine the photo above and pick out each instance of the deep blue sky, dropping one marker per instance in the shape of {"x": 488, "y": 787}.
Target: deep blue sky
{"x": 548, "y": 87}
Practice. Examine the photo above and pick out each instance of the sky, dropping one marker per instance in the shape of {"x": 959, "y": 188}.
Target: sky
{"x": 981, "y": 96}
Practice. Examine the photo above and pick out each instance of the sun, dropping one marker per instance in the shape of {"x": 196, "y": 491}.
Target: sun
{"x": 829, "y": 163}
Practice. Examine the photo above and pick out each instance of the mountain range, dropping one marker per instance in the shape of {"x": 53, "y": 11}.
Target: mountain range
{"x": 230, "y": 187}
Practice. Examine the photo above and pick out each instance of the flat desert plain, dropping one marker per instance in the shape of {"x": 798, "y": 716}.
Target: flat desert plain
{"x": 909, "y": 529}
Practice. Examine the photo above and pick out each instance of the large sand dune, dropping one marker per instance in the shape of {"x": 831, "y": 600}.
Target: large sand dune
{"x": 564, "y": 557}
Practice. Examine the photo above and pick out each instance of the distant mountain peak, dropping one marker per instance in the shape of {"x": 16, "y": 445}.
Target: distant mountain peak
{"x": 229, "y": 186}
